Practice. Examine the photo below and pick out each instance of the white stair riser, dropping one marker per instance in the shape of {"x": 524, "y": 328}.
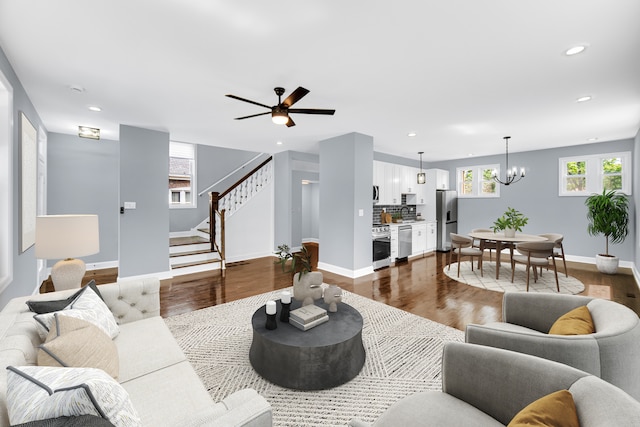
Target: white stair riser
{"x": 193, "y": 258}
{"x": 189, "y": 248}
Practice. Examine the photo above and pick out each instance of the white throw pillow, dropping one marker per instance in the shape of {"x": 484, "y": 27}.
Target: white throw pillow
{"x": 41, "y": 392}
{"x": 87, "y": 306}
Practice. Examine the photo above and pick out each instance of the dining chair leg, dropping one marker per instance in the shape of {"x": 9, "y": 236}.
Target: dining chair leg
{"x": 564, "y": 260}
{"x": 528, "y": 271}
{"x": 458, "y": 259}
{"x": 449, "y": 259}
{"x": 513, "y": 270}
{"x": 555, "y": 270}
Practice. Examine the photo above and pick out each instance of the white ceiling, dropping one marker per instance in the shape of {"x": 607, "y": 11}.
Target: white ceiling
{"x": 460, "y": 73}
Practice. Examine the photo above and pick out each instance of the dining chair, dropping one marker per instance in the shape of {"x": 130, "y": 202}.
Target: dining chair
{"x": 534, "y": 254}
{"x": 463, "y": 246}
{"x": 559, "y": 249}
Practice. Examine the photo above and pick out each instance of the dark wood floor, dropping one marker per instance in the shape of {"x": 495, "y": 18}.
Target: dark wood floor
{"x": 418, "y": 286}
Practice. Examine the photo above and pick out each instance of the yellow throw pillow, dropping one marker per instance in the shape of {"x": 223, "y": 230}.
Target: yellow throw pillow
{"x": 576, "y": 322}
{"x": 553, "y": 410}
{"x": 73, "y": 342}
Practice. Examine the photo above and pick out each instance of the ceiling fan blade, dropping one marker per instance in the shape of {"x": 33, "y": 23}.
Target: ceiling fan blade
{"x": 290, "y": 122}
{"x": 248, "y": 100}
{"x": 311, "y": 111}
{"x": 295, "y": 96}
{"x": 253, "y": 115}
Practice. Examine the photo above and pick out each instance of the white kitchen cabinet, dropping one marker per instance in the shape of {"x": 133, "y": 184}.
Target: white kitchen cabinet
{"x": 419, "y": 239}
{"x": 432, "y": 239}
{"x": 442, "y": 179}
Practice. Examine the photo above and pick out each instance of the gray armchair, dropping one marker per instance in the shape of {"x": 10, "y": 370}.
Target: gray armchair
{"x": 611, "y": 353}
{"x": 483, "y": 386}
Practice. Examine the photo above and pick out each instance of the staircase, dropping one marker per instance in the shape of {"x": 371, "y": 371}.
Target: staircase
{"x": 197, "y": 250}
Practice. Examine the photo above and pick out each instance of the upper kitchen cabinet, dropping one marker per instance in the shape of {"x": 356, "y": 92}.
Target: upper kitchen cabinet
{"x": 441, "y": 178}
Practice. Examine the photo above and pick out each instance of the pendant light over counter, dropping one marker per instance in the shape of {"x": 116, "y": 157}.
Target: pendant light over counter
{"x": 422, "y": 177}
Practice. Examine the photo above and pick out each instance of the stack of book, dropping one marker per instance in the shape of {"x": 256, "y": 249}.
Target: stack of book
{"x": 305, "y": 318}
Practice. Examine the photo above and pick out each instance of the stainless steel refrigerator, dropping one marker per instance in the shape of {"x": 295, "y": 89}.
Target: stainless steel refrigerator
{"x": 447, "y": 217}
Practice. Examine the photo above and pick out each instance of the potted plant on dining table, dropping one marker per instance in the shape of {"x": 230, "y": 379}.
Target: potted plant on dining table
{"x": 511, "y": 221}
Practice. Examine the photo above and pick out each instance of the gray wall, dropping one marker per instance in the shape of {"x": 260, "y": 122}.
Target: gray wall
{"x": 82, "y": 178}
{"x": 537, "y": 197}
{"x": 24, "y": 280}
{"x": 346, "y": 171}
{"x": 144, "y": 232}
{"x": 212, "y": 164}
{"x": 310, "y": 211}
{"x": 635, "y": 237}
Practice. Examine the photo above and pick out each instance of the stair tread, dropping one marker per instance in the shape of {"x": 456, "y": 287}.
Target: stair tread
{"x": 188, "y": 240}
{"x": 191, "y": 264}
{"x": 179, "y": 254}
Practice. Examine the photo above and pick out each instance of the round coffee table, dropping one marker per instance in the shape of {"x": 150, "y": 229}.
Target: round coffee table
{"x": 323, "y": 357}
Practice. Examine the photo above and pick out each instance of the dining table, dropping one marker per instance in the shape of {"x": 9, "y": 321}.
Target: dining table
{"x": 503, "y": 241}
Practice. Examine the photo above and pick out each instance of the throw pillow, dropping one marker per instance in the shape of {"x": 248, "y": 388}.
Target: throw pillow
{"x": 576, "y": 322}
{"x": 553, "y": 410}
{"x": 42, "y": 392}
{"x": 41, "y": 307}
{"x": 88, "y": 306}
{"x": 79, "y": 421}
{"x": 77, "y": 343}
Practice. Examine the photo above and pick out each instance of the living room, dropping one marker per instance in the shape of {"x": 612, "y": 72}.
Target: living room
{"x": 88, "y": 176}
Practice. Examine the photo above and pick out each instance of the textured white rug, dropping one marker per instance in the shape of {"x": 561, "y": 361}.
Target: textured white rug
{"x": 403, "y": 357}
{"x": 546, "y": 282}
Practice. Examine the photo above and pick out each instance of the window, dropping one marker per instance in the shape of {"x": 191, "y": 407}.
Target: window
{"x": 182, "y": 175}
{"x": 585, "y": 175}
{"x": 476, "y": 181}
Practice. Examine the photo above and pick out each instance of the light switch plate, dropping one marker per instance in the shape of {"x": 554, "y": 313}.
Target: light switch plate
{"x": 129, "y": 205}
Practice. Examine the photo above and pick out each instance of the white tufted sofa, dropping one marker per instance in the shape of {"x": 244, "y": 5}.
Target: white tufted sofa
{"x": 162, "y": 385}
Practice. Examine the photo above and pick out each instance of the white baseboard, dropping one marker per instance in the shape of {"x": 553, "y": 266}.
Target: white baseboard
{"x": 353, "y": 274}
{"x": 162, "y": 275}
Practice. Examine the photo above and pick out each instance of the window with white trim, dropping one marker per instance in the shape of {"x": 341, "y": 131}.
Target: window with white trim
{"x": 585, "y": 175}
{"x": 182, "y": 175}
{"x": 477, "y": 181}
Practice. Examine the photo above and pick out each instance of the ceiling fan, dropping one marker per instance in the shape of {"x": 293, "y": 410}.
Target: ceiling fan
{"x": 280, "y": 113}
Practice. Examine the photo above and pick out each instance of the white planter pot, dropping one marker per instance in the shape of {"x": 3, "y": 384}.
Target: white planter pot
{"x": 307, "y": 287}
{"x": 509, "y": 232}
{"x": 607, "y": 264}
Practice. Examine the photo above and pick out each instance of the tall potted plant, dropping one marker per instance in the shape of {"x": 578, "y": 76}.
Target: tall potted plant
{"x": 511, "y": 221}
{"x": 608, "y": 214}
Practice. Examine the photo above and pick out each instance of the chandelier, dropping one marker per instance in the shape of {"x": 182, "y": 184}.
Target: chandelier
{"x": 512, "y": 174}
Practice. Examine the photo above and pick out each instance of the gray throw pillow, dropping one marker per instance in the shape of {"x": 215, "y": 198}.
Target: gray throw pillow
{"x": 41, "y": 307}
{"x": 79, "y": 421}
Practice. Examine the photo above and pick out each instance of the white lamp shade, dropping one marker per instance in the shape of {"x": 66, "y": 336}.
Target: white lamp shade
{"x": 66, "y": 236}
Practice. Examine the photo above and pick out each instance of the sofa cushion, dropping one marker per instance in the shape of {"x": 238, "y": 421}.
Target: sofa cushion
{"x": 146, "y": 346}
{"x": 576, "y": 322}
{"x": 41, "y": 392}
{"x": 88, "y": 306}
{"x": 553, "y": 410}
{"x": 48, "y": 306}
{"x": 79, "y": 421}
{"x": 77, "y": 343}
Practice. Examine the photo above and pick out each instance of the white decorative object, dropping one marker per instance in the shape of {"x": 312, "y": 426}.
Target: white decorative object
{"x": 285, "y": 297}
{"x": 332, "y": 296}
{"x": 509, "y": 232}
{"x": 607, "y": 264}
{"x": 307, "y": 287}
{"x": 271, "y": 307}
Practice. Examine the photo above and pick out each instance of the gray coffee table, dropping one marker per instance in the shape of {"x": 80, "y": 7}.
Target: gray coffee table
{"x": 322, "y": 357}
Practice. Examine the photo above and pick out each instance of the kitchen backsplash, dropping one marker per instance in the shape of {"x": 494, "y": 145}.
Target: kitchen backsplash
{"x": 411, "y": 215}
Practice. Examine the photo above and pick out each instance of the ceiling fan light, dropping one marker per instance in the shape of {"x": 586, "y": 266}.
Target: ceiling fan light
{"x": 279, "y": 117}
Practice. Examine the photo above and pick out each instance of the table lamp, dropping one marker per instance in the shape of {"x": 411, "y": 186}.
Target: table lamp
{"x": 64, "y": 237}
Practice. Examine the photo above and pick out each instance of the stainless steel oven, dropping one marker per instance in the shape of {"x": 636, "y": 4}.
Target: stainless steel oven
{"x": 381, "y": 235}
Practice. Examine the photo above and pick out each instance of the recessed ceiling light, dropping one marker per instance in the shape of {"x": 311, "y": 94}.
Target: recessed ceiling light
{"x": 592, "y": 139}
{"x": 575, "y": 50}
{"x": 95, "y": 108}
{"x": 279, "y": 142}
{"x": 411, "y": 134}
{"x": 583, "y": 99}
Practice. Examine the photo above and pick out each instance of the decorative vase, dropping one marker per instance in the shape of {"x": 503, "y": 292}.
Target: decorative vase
{"x": 607, "y": 264}
{"x": 307, "y": 287}
{"x": 509, "y": 232}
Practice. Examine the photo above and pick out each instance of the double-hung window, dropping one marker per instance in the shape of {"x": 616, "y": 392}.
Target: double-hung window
{"x": 585, "y": 175}
{"x": 477, "y": 181}
{"x": 182, "y": 175}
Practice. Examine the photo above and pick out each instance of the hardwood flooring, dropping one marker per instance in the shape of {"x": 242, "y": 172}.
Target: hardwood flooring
{"x": 418, "y": 286}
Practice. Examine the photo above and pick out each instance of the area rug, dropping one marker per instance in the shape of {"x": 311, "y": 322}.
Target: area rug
{"x": 403, "y": 350}
{"x": 546, "y": 282}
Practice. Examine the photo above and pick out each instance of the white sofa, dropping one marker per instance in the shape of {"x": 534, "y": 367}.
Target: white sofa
{"x": 163, "y": 387}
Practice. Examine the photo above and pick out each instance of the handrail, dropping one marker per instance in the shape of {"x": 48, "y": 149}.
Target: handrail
{"x": 228, "y": 175}
{"x": 241, "y": 180}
